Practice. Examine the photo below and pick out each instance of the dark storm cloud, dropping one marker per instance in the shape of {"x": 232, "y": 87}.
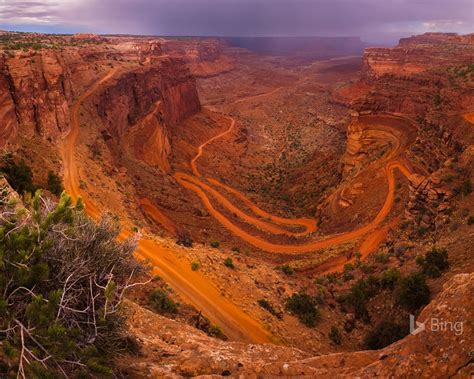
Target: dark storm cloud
{"x": 262, "y": 17}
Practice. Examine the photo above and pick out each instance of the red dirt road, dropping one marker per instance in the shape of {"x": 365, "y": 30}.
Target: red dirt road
{"x": 192, "y": 286}
{"x": 202, "y": 190}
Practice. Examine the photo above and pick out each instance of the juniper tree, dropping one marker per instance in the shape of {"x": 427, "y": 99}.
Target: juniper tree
{"x": 62, "y": 281}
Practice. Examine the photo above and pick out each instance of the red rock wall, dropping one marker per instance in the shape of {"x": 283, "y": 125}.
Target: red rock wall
{"x": 132, "y": 96}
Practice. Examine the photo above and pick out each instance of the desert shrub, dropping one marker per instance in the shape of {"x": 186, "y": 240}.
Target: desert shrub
{"x": 358, "y": 296}
{"x": 286, "y": 269}
{"x": 184, "y": 239}
{"x": 216, "y": 331}
{"x": 412, "y": 292}
{"x": 331, "y": 277}
{"x": 390, "y": 278}
{"x": 466, "y": 187}
{"x": 265, "y": 304}
{"x": 55, "y": 185}
{"x": 161, "y": 302}
{"x": 19, "y": 176}
{"x": 236, "y": 249}
{"x": 62, "y": 281}
{"x": 366, "y": 269}
{"x": 215, "y": 244}
{"x": 384, "y": 334}
{"x": 348, "y": 267}
{"x": 229, "y": 263}
{"x": 434, "y": 262}
{"x": 303, "y": 306}
{"x": 335, "y": 335}
{"x": 470, "y": 220}
{"x": 381, "y": 258}
{"x": 195, "y": 266}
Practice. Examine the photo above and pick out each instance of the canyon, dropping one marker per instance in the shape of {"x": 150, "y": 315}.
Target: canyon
{"x": 257, "y": 169}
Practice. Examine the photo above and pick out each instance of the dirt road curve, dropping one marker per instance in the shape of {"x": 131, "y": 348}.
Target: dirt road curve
{"x": 201, "y": 147}
{"x": 192, "y": 286}
{"x": 202, "y": 190}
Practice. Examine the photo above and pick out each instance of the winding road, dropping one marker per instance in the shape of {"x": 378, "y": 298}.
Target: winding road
{"x": 203, "y": 190}
{"x": 192, "y": 286}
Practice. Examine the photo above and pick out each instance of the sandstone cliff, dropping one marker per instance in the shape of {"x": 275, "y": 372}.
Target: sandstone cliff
{"x": 37, "y": 87}
{"x": 140, "y": 106}
{"x": 204, "y": 56}
{"x": 418, "y": 54}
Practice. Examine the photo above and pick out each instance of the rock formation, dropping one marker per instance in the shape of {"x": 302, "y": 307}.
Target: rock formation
{"x": 427, "y": 198}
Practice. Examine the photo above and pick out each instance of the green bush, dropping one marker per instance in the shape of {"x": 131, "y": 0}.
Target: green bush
{"x": 381, "y": 258}
{"x": 161, "y": 302}
{"x": 55, "y": 185}
{"x": 286, "y": 269}
{"x": 470, "y": 220}
{"x": 359, "y": 294}
{"x": 184, "y": 239}
{"x": 216, "y": 331}
{"x": 236, "y": 249}
{"x": 385, "y": 333}
{"x": 215, "y": 244}
{"x": 335, "y": 335}
{"x": 412, "y": 292}
{"x": 62, "y": 279}
{"x": 348, "y": 267}
{"x": 390, "y": 278}
{"x": 466, "y": 187}
{"x": 304, "y": 307}
{"x": 195, "y": 266}
{"x": 434, "y": 262}
{"x": 19, "y": 176}
{"x": 229, "y": 263}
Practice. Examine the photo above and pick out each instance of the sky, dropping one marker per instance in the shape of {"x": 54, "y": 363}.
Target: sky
{"x": 379, "y": 21}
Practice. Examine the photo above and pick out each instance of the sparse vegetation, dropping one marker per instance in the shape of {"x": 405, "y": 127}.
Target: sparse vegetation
{"x": 19, "y": 176}
{"x": 335, "y": 335}
{"x": 434, "y": 262}
{"x": 185, "y": 239}
{"x": 161, "y": 302}
{"x": 55, "y": 185}
{"x": 304, "y": 307}
{"x": 216, "y": 331}
{"x": 466, "y": 187}
{"x": 229, "y": 263}
{"x": 358, "y": 296}
{"x": 265, "y": 304}
{"x": 195, "y": 266}
{"x": 390, "y": 278}
{"x": 381, "y": 258}
{"x": 412, "y": 292}
{"x": 384, "y": 334}
{"x": 215, "y": 244}
{"x": 236, "y": 249}
{"x": 286, "y": 269}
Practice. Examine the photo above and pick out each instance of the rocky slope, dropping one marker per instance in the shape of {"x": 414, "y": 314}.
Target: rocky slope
{"x": 431, "y": 353}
